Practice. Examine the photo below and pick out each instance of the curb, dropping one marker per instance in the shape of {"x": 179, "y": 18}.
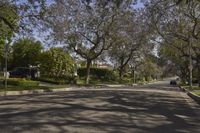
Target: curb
{"x": 190, "y": 94}
{"x": 47, "y": 91}
{"x": 41, "y": 91}
{"x": 28, "y": 92}
{"x": 194, "y": 96}
{"x": 183, "y": 89}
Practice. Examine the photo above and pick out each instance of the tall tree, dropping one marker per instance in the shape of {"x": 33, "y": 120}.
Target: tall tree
{"x": 21, "y": 16}
{"x": 176, "y": 23}
{"x": 130, "y": 38}
{"x": 26, "y": 52}
{"x": 8, "y": 18}
{"x": 85, "y": 26}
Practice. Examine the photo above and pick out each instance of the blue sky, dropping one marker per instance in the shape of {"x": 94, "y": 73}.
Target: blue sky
{"x": 139, "y": 5}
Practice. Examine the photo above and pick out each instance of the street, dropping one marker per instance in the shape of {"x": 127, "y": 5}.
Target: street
{"x": 153, "y": 108}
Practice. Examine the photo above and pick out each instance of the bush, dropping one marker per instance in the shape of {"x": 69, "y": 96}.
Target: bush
{"x": 125, "y": 81}
{"x": 149, "y": 78}
{"x": 99, "y": 73}
{"x": 1, "y": 74}
{"x": 58, "y": 80}
{"x": 21, "y": 82}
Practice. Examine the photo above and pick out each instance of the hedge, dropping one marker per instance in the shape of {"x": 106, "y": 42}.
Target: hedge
{"x": 21, "y": 82}
{"x": 58, "y": 80}
{"x": 99, "y": 73}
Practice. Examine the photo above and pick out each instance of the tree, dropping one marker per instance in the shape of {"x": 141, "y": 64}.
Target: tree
{"x": 21, "y": 17}
{"x": 177, "y": 23}
{"x": 85, "y": 26}
{"x": 128, "y": 40}
{"x": 149, "y": 68}
{"x": 8, "y": 18}
{"x": 8, "y": 25}
{"x": 17, "y": 17}
{"x": 56, "y": 62}
{"x": 185, "y": 1}
{"x": 26, "y": 52}
{"x": 176, "y": 55}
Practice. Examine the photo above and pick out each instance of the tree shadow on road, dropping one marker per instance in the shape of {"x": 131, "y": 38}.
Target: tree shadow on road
{"x": 98, "y": 111}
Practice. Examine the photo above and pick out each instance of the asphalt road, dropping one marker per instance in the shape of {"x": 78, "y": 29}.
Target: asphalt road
{"x": 154, "y": 108}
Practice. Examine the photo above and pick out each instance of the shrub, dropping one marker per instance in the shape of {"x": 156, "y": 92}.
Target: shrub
{"x": 21, "y": 82}
{"x": 125, "y": 81}
{"x": 1, "y": 74}
{"x": 56, "y": 62}
{"x": 58, "y": 80}
{"x": 149, "y": 78}
{"x": 99, "y": 73}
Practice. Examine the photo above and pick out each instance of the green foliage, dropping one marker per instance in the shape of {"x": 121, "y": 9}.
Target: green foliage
{"x": 26, "y": 52}
{"x": 125, "y": 81}
{"x": 21, "y": 88}
{"x": 193, "y": 88}
{"x": 176, "y": 54}
{"x": 58, "y": 80}
{"x": 99, "y": 73}
{"x": 1, "y": 49}
{"x": 56, "y": 63}
{"x": 149, "y": 69}
{"x": 8, "y": 19}
{"x": 197, "y": 93}
{"x": 184, "y": 1}
{"x": 22, "y": 82}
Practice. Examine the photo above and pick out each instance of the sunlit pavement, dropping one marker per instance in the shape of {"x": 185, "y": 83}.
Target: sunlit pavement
{"x": 153, "y": 108}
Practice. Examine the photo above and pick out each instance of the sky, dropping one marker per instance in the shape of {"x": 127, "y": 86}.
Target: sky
{"x": 139, "y": 5}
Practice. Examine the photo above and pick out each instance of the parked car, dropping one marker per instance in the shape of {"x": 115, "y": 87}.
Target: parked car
{"x": 24, "y": 72}
{"x": 173, "y": 82}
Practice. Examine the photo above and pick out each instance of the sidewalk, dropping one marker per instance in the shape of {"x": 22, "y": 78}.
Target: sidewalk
{"x": 46, "y": 91}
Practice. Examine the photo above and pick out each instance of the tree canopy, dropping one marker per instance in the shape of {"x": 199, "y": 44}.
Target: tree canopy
{"x": 26, "y": 52}
{"x": 56, "y": 62}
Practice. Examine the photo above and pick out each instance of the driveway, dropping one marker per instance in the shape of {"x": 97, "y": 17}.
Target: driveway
{"x": 154, "y": 108}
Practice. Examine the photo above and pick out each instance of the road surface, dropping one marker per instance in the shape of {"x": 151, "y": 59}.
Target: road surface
{"x": 154, "y": 108}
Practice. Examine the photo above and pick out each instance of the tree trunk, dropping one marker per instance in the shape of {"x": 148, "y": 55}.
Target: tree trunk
{"x": 88, "y": 72}
{"x": 190, "y": 64}
{"x": 134, "y": 81}
{"x": 121, "y": 73}
{"x": 198, "y": 71}
{"x": 199, "y": 76}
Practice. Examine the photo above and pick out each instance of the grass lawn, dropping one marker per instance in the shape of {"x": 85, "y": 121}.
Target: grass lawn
{"x": 197, "y": 92}
{"x": 95, "y": 82}
{"x": 193, "y": 88}
{"x": 27, "y": 86}
{"x": 20, "y": 88}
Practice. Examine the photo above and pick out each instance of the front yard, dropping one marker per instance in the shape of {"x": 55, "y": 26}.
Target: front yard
{"x": 197, "y": 93}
